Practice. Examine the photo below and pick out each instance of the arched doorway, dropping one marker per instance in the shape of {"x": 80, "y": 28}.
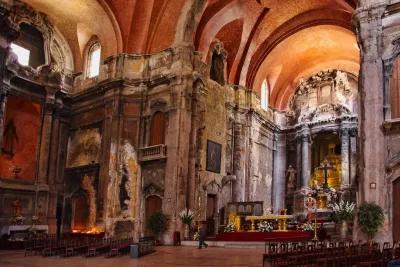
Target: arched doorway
{"x": 396, "y": 210}
{"x": 153, "y": 204}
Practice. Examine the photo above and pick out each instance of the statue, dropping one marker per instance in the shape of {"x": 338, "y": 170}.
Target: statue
{"x": 10, "y": 133}
{"x": 291, "y": 172}
{"x": 17, "y": 208}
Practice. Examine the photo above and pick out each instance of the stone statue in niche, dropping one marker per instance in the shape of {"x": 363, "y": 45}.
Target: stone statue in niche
{"x": 291, "y": 173}
{"x": 10, "y": 134}
{"x": 17, "y": 208}
{"x": 217, "y": 68}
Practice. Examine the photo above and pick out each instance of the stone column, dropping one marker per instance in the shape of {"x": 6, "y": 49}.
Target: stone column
{"x": 191, "y": 187}
{"x": 8, "y": 33}
{"x": 367, "y": 24}
{"x": 3, "y": 109}
{"x": 353, "y": 156}
{"x": 54, "y": 146}
{"x": 298, "y": 163}
{"x": 279, "y": 173}
{"x": 344, "y": 136}
{"x": 45, "y": 143}
{"x": 305, "y": 158}
{"x": 239, "y": 162}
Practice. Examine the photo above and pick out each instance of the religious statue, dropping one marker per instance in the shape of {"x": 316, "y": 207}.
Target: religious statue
{"x": 17, "y": 208}
{"x": 291, "y": 172}
{"x": 10, "y": 133}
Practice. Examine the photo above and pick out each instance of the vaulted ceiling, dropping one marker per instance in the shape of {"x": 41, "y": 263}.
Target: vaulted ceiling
{"x": 277, "y": 40}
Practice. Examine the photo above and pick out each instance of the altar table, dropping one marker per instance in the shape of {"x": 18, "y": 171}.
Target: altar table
{"x": 281, "y": 219}
{"x": 22, "y": 228}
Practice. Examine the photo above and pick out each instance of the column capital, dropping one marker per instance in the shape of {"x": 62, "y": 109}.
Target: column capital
{"x": 353, "y": 132}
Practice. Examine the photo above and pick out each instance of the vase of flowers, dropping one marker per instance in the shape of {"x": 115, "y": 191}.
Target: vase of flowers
{"x": 186, "y": 217}
{"x": 344, "y": 211}
{"x": 265, "y": 226}
{"x": 308, "y": 227}
{"x": 20, "y": 219}
{"x": 230, "y": 228}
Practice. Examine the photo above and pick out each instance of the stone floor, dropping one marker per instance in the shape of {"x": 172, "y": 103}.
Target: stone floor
{"x": 165, "y": 256}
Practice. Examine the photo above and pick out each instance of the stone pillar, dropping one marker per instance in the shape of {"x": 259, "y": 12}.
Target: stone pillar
{"x": 191, "y": 187}
{"x": 367, "y": 24}
{"x": 8, "y": 33}
{"x": 45, "y": 143}
{"x": 344, "y": 136}
{"x": 54, "y": 146}
{"x": 298, "y": 163}
{"x": 239, "y": 162}
{"x": 305, "y": 158}
{"x": 3, "y": 109}
{"x": 353, "y": 156}
{"x": 279, "y": 173}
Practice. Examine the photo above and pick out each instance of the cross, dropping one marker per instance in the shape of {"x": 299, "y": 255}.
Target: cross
{"x": 325, "y": 168}
{"x": 310, "y": 204}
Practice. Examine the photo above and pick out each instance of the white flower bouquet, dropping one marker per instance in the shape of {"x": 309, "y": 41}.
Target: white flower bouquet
{"x": 308, "y": 227}
{"x": 344, "y": 210}
{"x": 265, "y": 226}
{"x": 186, "y": 216}
{"x": 230, "y": 228}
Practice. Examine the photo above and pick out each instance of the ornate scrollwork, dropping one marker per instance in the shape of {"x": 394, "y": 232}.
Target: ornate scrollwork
{"x": 158, "y": 105}
{"x": 21, "y": 12}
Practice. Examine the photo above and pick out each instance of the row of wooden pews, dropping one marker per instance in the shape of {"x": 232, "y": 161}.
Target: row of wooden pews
{"x": 86, "y": 246}
{"x": 288, "y": 253}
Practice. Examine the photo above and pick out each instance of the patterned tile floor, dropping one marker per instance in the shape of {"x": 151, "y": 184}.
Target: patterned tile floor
{"x": 165, "y": 256}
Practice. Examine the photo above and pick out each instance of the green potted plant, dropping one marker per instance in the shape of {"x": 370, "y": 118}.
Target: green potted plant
{"x": 158, "y": 224}
{"x": 370, "y": 219}
{"x": 186, "y": 217}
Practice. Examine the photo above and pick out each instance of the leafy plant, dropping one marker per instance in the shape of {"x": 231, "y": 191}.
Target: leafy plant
{"x": 370, "y": 219}
{"x": 186, "y": 216}
{"x": 158, "y": 223}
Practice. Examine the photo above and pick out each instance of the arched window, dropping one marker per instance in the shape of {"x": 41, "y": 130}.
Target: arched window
{"x": 157, "y": 132}
{"x": 29, "y": 47}
{"x": 395, "y": 90}
{"x": 93, "y": 61}
{"x": 264, "y": 95}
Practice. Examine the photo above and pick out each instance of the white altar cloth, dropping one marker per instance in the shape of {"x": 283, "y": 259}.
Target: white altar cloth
{"x": 21, "y": 228}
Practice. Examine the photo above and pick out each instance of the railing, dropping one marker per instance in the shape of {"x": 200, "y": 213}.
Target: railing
{"x": 153, "y": 153}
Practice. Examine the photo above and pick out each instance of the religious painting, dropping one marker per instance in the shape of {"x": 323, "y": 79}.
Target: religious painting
{"x": 20, "y": 139}
{"x": 213, "y": 160}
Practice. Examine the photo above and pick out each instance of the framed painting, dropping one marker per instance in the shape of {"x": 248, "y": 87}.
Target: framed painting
{"x": 213, "y": 160}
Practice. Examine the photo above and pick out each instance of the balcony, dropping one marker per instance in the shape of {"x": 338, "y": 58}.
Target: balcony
{"x": 153, "y": 153}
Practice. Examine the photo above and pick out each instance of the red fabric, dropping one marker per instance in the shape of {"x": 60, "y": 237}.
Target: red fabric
{"x": 260, "y": 236}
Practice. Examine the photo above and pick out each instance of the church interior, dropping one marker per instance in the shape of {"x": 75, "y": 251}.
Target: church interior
{"x": 112, "y": 111}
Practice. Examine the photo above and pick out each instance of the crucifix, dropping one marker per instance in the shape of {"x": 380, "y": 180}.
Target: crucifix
{"x": 310, "y": 204}
{"x": 325, "y": 168}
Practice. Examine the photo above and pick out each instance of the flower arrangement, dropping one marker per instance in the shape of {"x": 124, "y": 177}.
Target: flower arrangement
{"x": 330, "y": 193}
{"x": 344, "y": 210}
{"x": 308, "y": 227}
{"x": 230, "y": 228}
{"x": 186, "y": 216}
{"x": 265, "y": 226}
{"x": 19, "y": 218}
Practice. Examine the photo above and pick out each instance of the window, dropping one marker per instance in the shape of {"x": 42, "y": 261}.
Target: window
{"x": 22, "y": 53}
{"x": 93, "y": 64}
{"x": 395, "y": 90}
{"x": 157, "y": 133}
{"x": 264, "y": 95}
